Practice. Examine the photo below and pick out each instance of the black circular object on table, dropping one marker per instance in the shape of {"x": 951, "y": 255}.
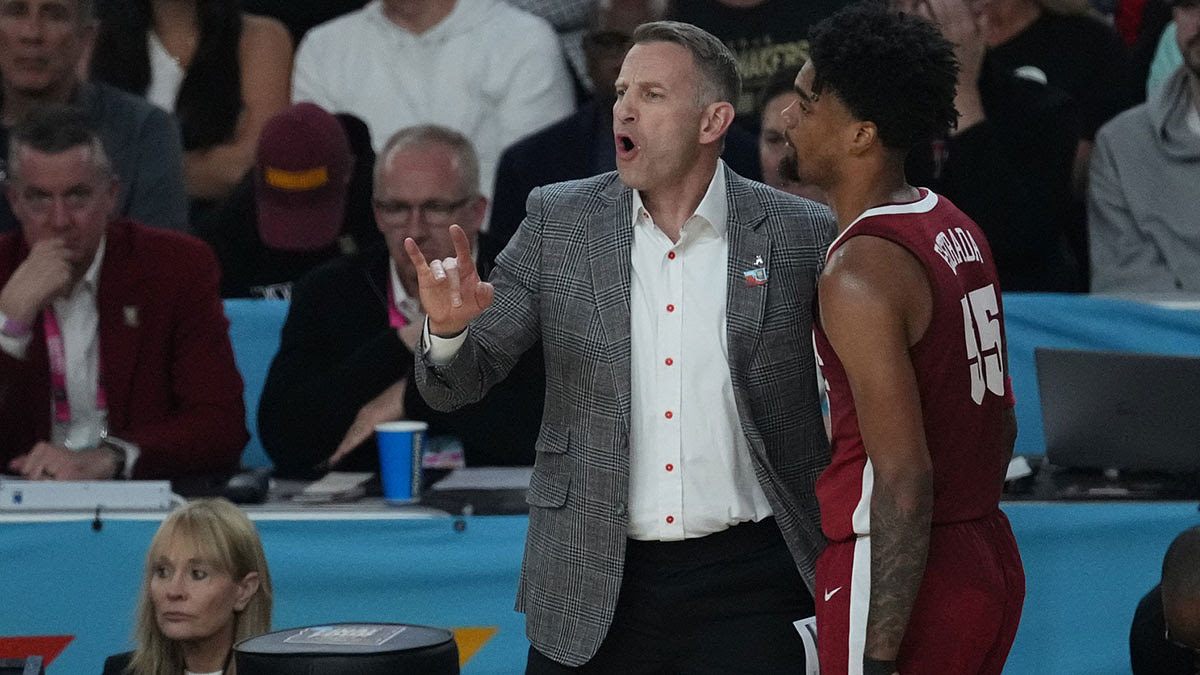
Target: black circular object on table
{"x": 349, "y": 649}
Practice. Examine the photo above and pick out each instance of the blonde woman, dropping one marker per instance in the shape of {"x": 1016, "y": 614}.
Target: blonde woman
{"x": 206, "y": 587}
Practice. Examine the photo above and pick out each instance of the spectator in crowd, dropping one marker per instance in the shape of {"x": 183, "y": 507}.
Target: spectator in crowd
{"x": 921, "y": 573}
{"x": 482, "y": 67}
{"x": 115, "y": 358}
{"x": 1007, "y": 164}
{"x": 223, "y": 73}
{"x": 307, "y": 201}
{"x": 42, "y": 43}
{"x": 1165, "y": 636}
{"x": 582, "y": 145}
{"x": 767, "y": 36}
{"x": 345, "y": 357}
{"x": 682, "y": 435}
{"x": 774, "y": 151}
{"x": 206, "y": 586}
{"x": 1061, "y": 43}
{"x": 1143, "y": 196}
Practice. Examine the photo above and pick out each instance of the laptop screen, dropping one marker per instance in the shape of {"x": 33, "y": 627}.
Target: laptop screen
{"x": 1120, "y": 410}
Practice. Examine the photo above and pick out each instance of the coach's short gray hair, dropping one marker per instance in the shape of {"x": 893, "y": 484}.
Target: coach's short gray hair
{"x": 719, "y": 77}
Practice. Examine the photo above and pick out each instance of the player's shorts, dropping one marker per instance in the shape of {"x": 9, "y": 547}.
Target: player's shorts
{"x": 966, "y": 613}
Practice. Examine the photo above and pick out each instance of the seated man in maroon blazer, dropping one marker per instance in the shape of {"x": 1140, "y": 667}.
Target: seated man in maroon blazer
{"x": 115, "y": 358}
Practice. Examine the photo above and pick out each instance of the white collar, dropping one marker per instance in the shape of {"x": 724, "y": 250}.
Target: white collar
{"x": 90, "y": 278}
{"x": 713, "y": 207}
{"x": 924, "y": 204}
{"x": 398, "y": 291}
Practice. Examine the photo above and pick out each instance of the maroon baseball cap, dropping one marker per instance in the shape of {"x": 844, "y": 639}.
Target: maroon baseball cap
{"x": 301, "y": 176}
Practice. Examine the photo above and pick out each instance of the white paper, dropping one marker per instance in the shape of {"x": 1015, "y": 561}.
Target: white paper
{"x": 335, "y": 486}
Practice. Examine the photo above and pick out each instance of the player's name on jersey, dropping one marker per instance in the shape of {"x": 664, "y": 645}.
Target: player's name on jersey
{"x": 956, "y": 246}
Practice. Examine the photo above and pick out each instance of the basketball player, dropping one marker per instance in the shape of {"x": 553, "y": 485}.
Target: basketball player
{"x": 921, "y": 573}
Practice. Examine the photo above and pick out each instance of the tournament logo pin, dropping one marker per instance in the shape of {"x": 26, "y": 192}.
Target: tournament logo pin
{"x": 131, "y": 316}
{"x": 756, "y": 277}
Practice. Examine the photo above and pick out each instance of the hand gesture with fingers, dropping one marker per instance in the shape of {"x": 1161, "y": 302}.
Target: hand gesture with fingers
{"x": 451, "y": 291}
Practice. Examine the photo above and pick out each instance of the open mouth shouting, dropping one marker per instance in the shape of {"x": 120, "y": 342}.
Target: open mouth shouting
{"x": 627, "y": 148}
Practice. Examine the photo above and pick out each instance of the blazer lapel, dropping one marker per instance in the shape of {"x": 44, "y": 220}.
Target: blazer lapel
{"x": 609, "y": 235}
{"x": 749, "y": 250}
{"x": 120, "y": 304}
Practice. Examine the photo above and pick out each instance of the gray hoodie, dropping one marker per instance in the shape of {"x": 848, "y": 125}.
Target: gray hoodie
{"x": 1144, "y": 195}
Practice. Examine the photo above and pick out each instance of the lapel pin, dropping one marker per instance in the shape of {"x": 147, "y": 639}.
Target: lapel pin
{"x": 756, "y": 277}
{"x": 131, "y": 315}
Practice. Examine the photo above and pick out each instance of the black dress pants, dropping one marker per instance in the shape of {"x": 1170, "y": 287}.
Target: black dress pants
{"x": 720, "y": 604}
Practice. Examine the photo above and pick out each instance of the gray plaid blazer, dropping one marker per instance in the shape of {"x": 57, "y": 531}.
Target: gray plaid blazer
{"x": 564, "y": 279}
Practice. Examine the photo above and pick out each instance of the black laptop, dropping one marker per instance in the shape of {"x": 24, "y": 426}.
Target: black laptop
{"x": 1120, "y": 411}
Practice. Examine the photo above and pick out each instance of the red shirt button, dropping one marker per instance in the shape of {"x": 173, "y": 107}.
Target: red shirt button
{"x": 671, "y": 255}
{"x": 670, "y": 308}
{"x": 670, "y": 362}
{"x": 670, "y": 414}
{"x": 670, "y": 467}
{"x": 670, "y": 519}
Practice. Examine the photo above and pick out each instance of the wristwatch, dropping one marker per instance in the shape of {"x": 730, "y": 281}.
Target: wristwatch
{"x": 13, "y": 328}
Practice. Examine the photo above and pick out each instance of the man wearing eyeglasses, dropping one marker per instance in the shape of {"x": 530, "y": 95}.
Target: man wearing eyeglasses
{"x": 1165, "y": 636}
{"x": 346, "y": 351}
{"x": 115, "y": 360}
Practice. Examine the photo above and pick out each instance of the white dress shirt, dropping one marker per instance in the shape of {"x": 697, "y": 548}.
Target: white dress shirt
{"x": 690, "y": 472}
{"x": 79, "y": 322}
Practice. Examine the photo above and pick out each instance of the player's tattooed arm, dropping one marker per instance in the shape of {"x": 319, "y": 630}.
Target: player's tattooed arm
{"x": 875, "y": 305}
{"x": 900, "y": 521}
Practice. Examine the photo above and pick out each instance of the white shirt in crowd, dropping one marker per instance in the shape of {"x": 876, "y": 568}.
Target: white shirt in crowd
{"x": 488, "y": 70}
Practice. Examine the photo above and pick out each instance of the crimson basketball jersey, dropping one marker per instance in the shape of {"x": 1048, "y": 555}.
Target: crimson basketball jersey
{"x": 959, "y": 364}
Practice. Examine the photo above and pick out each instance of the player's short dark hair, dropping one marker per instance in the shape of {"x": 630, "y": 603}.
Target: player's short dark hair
{"x": 890, "y": 68}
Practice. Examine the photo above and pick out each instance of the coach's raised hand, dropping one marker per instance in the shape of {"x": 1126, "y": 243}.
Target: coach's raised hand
{"x": 451, "y": 291}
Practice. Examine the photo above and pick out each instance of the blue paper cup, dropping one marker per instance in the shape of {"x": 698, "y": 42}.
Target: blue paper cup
{"x": 400, "y": 446}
